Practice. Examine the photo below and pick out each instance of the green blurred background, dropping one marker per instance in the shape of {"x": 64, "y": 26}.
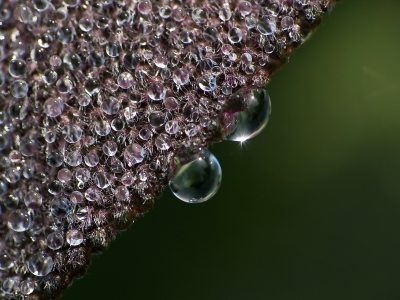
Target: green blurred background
{"x": 309, "y": 209}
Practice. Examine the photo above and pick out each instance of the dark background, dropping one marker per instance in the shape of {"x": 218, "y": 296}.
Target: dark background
{"x": 309, "y": 209}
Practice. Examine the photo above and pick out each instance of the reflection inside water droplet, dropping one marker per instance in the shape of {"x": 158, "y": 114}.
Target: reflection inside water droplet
{"x": 198, "y": 180}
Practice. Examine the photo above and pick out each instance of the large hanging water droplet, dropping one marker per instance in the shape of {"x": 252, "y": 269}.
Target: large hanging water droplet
{"x": 40, "y": 264}
{"x": 252, "y": 121}
{"x": 198, "y": 180}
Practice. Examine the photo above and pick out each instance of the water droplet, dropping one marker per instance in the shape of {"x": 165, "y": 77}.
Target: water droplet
{"x": 92, "y": 194}
{"x": 180, "y": 76}
{"x": 81, "y": 213}
{"x": 102, "y": 127}
{"x": 211, "y": 34}
{"x": 125, "y": 80}
{"x": 266, "y": 26}
{"x": 53, "y": 107}
{"x": 127, "y": 179}
{"x": 123, "y": 18}
{"x": 50, "y": 76}
{"x": 171, "y": 103}
{"x": 165, "y": 12}
{"x": 19, "y": 89}
{"x": 199, "y": 16}
{"x": 121, "y": 193}
{"x": 23, "y": 14}
{"x": 110, "y": 148}
{"x": 191, "y": 130}
{"x": 96, "y": 59}
{"x": 172, "y": 127}
{"x": 84, "y": 100}
{"x": 85, "y": 24}
{"x": 102, "y": 180}
{"x": 61, "y": 207}
{"x": 19, "y": 220}
{"x": 156, "y": 118}
{"x": 117, "y": 124}
{"x": 82, "y": 175}
{"x": 17, "y": 67}
{"x": 244, "y": 8}
{"x": 64, "y": 85}
{"x": 40, "y": 264}
{"x": 72, "y": 133}
{"x": 131, "y": 61}
{"x": 250, "y": 122}
{"x": 178, "y": 14}
{"x": 33, "y": 200}
{"x": 198, "y": 180}
{"x": 72, "y": 61}
{"x": 235, "y": 35}
{"x": 6, "y": 261}
{"x": 144, "y": 7}
{"x": 74, "y": 237}
{"x": 156, "y": 91}
{"x": 111, "y": 105}
{"x": 9, "y": 285}
{"x": 55, "y": 240}
{"x": 225, "y": 14}
{"x": 55, "y": 187}
{"x": 76, "y": 197}
{"x": 163, "y": 142}
{"x": 73, "y": 159}
{"x": 92, "y": 86}
{"x": 287, "y": 22}
{"x": 27, "y": 287}
{"x": 134, "y": 154}
{"x": 40, "y": 5}
{"x": 208, "y": 83}
{"x": 145, "y": 134}
{"x": 113, "y": 49}
{"x": 91, "y": 159}
{"x": 65, "y": 35}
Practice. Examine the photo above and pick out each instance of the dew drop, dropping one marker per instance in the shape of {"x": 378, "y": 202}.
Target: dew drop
{"x": 61, "y": 207}
{"x": 72, "y": 133}
{"x": 235, "y": 35}
{"x": 134, "y": 154}
{"x": 40, "y": 264}
{"x": 55, "y": 240}
{"x": 74, "y": 237}
{"x": 9, "y": 285}
{"x": 156, "y": 91}
{"x": 19, "y": 89}
{"x": 207, "y": 83}
{"x": 33, "y": 200}
{"x": 125, "y": 80}
{"x": 198, "y": 180}
{"x": 27, "y": 287}
{"x": 102, "y": 180}
{"x": 19, "y": 220}
{"x": 53, "y": 107}
{"x": 17, "y": 67}
{"x": 252, "y": 121}
{"x": 6, "y": 261}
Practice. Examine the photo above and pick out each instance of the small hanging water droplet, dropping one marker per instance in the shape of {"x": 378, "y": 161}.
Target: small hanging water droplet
{"x": 198, "y": 180}
{"x": 250, "y": 122}
{"x": 40, "y": 264}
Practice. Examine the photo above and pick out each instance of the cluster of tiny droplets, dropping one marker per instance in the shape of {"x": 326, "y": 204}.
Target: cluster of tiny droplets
{"x": 96, "y": 100}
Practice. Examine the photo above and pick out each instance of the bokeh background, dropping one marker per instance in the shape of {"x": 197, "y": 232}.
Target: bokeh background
{"x": 309, "y": 209}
